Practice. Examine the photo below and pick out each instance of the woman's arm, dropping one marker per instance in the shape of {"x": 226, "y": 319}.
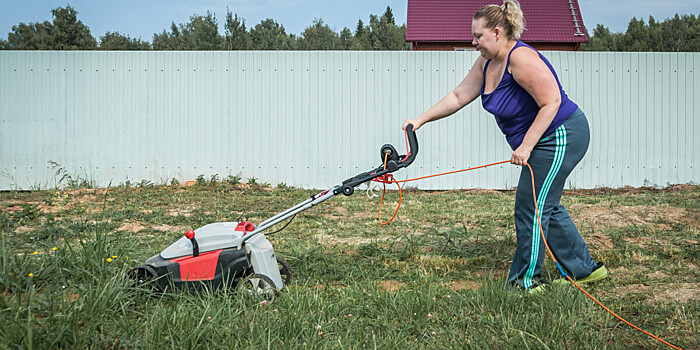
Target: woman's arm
{"x": 530, "y": 71}
{"x": 466, "y": 92}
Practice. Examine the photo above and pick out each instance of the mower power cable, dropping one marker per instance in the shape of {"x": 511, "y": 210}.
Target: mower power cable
{"x": 283, "y": 227}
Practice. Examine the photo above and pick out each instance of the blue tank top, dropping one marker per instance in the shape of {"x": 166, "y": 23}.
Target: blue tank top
{"x": 515, "y": 110}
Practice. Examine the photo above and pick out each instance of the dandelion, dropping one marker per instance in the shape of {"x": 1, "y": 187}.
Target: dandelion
{"x": 114, "y": 256}
{"x": 109, "y": 260}
{"x": 55, "y": 248}
{"x": 30, "y": 274}
{"x": 263, "y": 303}
{"x": 36, "y": 253}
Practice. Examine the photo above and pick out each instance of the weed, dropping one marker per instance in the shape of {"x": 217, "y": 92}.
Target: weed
{"x": 233, "y": 179}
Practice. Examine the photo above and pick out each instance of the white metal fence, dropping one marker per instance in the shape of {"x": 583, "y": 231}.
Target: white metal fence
{"x": 312, "y": 119}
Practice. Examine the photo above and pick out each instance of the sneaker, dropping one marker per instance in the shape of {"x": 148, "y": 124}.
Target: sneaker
{"x": 539, "y": 289}
{"x": 598, "y": 274}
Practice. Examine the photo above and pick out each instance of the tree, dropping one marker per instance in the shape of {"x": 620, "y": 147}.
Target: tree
{"x": 680, "y": 33}
{"x": 32, "y": 36}
{"x": 389, "y": 16}
{"x": 602, "y": 40}
{"x": 270, "y": 35}
{"x": 635, "y": 39}
{"x": 201, "y": 33}
{"x": 345, "y": 39}
{"x": 65, "y": 33}
{"x": 361, "y": 39}
{"x": 169, "y": 41}
{"x": 119, "y": 42}
{"x": 385, "y": 34}
{"x": 237, "y": 37}
{"x": 319, "y": 36}
{"x": 69, "y": 33}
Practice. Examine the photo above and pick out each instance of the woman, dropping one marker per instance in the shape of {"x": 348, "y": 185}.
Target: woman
{"x": 543, "y": 127}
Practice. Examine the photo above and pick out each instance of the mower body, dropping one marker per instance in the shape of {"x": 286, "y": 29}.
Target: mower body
{"x": 218, "y": 255}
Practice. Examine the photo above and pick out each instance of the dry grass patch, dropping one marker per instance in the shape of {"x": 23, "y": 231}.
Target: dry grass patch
{"x": 329, "y": 241}
{"x": 391, "y": 286}
{"x": 662, "y": 293}
{"x": 462, "y": 285}
{"x": 133, "y": 227}
{"x": 602, "y": 215}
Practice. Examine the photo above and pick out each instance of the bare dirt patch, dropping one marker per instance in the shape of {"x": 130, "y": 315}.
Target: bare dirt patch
{"x": 601, "y": 215}
{"x": 169, "y": 228}
{"x": 133, "y": 227}
{"x": 635, "y": 190}
{"x": 24, "y": 229}
{"x": 600, "y": 240}
{"x": 462, "y": 285}
{"x": 329, "y": 240}
{"x": 391, "y": 286}
{"x": 657, "y": 275}
{"x": 663, "y": 293}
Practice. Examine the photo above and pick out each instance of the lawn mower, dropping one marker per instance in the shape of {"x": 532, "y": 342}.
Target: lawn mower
{"x": 238, "y": 254}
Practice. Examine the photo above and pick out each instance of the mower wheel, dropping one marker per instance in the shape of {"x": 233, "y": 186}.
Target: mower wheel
{"x": 143, "y": 276}
{"x": 285, "y": 271}
{"x": 258, "y": 287}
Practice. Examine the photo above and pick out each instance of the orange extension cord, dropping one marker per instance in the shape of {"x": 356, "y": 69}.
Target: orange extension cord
{"x": 390, "y": 179}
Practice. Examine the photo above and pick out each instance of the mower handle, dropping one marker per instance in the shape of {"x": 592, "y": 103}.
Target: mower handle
{"x": 412, "y": 147}
{"x": 391, "y": 162}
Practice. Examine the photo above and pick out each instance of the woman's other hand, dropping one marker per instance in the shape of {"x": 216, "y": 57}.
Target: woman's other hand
{"x": 520, "y": 155}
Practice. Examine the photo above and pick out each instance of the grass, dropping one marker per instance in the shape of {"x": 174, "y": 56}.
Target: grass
{"x": 433, "y": 278}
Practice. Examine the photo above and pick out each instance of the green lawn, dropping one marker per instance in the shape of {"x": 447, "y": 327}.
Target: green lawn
{"x": 433, "y": 278}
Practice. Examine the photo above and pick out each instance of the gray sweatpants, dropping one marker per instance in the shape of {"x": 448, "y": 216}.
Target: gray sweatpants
{"x": 552, "y": 160}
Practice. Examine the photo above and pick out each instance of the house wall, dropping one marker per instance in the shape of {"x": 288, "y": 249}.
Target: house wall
{"x": 453, "y": 45}
{"x": 313, "y": 119}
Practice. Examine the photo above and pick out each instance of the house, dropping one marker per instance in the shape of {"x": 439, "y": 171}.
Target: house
{"x": 446, "y": 24}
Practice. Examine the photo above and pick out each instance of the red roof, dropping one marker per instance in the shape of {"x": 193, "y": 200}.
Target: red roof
{"x": 451, "y": 20}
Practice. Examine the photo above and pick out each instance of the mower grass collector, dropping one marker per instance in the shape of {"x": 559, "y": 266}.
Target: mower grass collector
{"x": 237, "y": 254}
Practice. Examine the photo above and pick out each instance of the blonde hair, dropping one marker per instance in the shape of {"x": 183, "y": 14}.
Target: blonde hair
{"x": 508, "y": 16}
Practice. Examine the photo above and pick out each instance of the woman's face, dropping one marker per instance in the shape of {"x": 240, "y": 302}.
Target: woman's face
{"x": 484, "y": 39}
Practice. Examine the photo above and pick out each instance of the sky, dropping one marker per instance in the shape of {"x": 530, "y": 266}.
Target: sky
{"x": 142, "y": 18}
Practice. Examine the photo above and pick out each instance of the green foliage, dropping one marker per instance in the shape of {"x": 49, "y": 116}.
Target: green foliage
{"x": 345, "y": 39}
{"x": 119, "y": 42}
{"x": 64, "y": 179}
{"x": 66, "y": 32}
{"x": 270, "y": 35}
{"x": 385, "y": 34}
{"x": 319, "y": 36}
{"x": 677, "y": 34}
{"x": 233, "y": 179}
{"x": 200, "y": 33}
{"x": 237, "y": 37}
